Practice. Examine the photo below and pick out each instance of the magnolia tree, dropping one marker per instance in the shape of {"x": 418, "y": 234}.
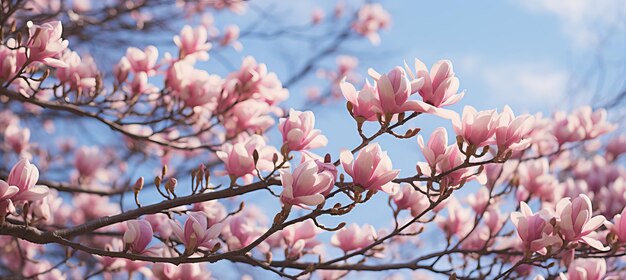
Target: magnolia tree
{"x": 148, "y": 166}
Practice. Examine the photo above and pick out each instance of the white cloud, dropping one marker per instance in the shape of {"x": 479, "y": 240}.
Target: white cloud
{"x": 584, "y": 21}
{"x": 526, "y": 84}
{"x": 523, "y": 84}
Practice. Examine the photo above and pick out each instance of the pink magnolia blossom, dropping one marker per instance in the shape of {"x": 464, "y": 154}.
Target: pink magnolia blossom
{"x": 195, "y": 87}
{"x": 230, "y": 38}
{"x": 394, "y": 90}
{"x": 346, "y": 64}
{"x": 512, "y": 132}
{"x": 440, "y": 84}
{"x": 85, "y": 210}
{"x": 196, "y": 232}
{"x": 611, "y": 199}
{"x": 451, "y": 160}
{"x": 616, "y": 147}
{"x": 238, "y": 158}
{"x": 576, "y": 222}
{"x": 50, "y": 209}
{"x": 479, "y": 200}
{"x": 371, "y": 170}
{"x": 299, "y": 237}
{"x": 45, "y": 43}
{"x": 594, "y": 123}
{"x": 306, "y": 230}
{"x": 143, "y": 61}
{"x": 140, "y": 85}
{"x": 251, "y": 115}
{"x": 138, "y": 235}
{"x": 354, "y": 237}
{"x": 24, "y": 176}
{"x": 455, "y": 224}
{"x": 121, "y": 70}
{"x": 237, "y": 7}
{"x": 6, "y": 193}
{"x": 534, "y": 229}
{"x": 370, "y": 19}
{"x": 618, "y": 227}
{"x": 308, "y": 184}
{"x": 17, "y": 138}
{"x": 567, "y": 128}
{"x": 253, "y": 80}
{"x": 242, "y": 231}
{"x": 364, "y": 102}
{"x": 193, "y": 42}
{"x": 299, "y": 133}
{"x": 160, "y": 224}
{"x": 88, "y": 161}
{"x": 80, "y": 73}
{"x": 184, "y": 271}
{"x": 436, "y": 150}
{"x": 536, "y": 180}
{"x": 586, "y": 269}
{"x": 478, "y": 239}
{"x": 476, "y": 128}
{"x": 9, "y": 64}
{"x": 409, "y": 198}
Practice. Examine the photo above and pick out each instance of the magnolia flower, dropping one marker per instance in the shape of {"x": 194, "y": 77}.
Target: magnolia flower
{"x": 437, "y": 147}
{"x": 80, "y": 73}
{"x": 8, "y": 66}
{"x": 242, "y": 231}
{"x": 17, "y": 138}
{"x": 364, "y": 102}
{"x": 586, "y": 269}
{"x": 6, "y": 193}
{"x": 140, "y": 84}
{"x": 536, "y": 180}
{"x": 299, "y": 133}
{"x": 193, "y": 42}
{"x": 475, "y": 127}
{"x": 308, "y": 184}
{"x": 409, "y": 198}
{"x": 440, "y": 85}
{"x": 137, "y": 236}
{"x": 238, "y": 158}
{"x": 618, "y": 227}
{"x": 534, "y": 230}
{"x": 143, "y": 61}
{"x": 455, "y": 224}
{"x": 567, "y": 128}
{"x": 196, "y": 233}
{"x": 371, "y": 170}
{"x": 370, "y": 19}
{"x": 231, "y": 36}
{"x": 121, "y": 70}
{"x": 88, "y": 161}
{"x": 299, "y": 237}
{"x": 511, "y": 132}
{"x": 353, "y": 237}
{"x": 24, "y": 176}
{"x": 394, "y": 90}
{"x": 186, "y": 271}
{"x": 45, "y": 43}
{"x": 616, "y": 147}
{"x": 594, "y": 123}
{"x": 576, "y": 223}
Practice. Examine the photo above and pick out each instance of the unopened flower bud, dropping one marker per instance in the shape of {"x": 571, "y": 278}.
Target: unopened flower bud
{"x": 138, "y": 185}
{"x": 171, "y": 185}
